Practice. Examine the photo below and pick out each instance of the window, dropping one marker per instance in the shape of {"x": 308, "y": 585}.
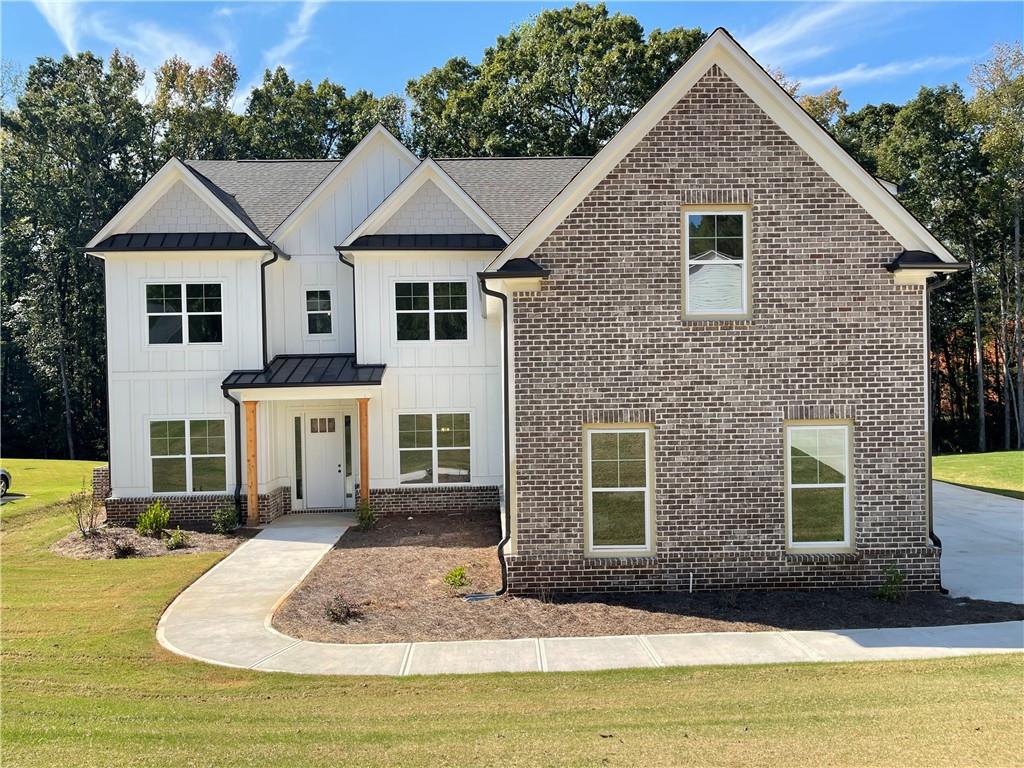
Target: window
{"x": 197, "y": 320}
{"x": 619, "y": 488}
{"x": 433, "y": 448}
{"x": 431, "y": 311}
{"x": 716, "y": 263}
{"x": 321, "y": 425}
{"x": 318, "y": 313}
{"x": 818, "y": 486}
{"x": 187, "y": 455}
{"x": 298, "y": 457}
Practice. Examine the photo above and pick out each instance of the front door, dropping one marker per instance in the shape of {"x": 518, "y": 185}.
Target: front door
{"x": 325, "y": 462}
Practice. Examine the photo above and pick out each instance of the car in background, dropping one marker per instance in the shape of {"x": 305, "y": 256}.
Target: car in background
{"x": 5, "y": 481}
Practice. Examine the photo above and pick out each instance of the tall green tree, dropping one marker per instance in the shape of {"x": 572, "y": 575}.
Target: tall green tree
{"x": 192, "y": 109}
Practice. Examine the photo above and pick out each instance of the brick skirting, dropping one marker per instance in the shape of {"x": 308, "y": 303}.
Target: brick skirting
{"x": 100, "y": 484}
{"x": 409, "y": 501}
{"x": 196, "y": 510}
{"x": 671, "y": 572}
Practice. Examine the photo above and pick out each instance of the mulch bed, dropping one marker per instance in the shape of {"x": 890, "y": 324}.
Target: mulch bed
{"x": 392, "y": 579}
{"x": 103, "y": 543}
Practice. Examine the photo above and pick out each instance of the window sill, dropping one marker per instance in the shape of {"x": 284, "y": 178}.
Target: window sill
{"x": 794, "y": 557}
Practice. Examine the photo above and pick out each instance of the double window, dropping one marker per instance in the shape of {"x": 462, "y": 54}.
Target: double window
{"x": 433, "y": 448}
{"x": 318, "y": 313}
{"x": 431, "y": 311}
{"x": 818, "y": 488}
{"x": 716, "y": 263}
{"x": 619, "y": 488}
{"x": 184, "y": 313}
{"x": 187, "y": 455}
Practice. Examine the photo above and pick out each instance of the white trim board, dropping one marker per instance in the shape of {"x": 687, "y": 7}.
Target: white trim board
{"x": 721, "y": 49}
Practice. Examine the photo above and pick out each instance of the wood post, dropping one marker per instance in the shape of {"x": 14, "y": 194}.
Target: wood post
{"x": 364, "y": 450}
{"x": 252, "y": 485}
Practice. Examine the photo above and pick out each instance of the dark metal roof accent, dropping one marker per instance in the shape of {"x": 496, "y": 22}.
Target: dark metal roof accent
{"x": 513, "y": 268}
{"x": 455, "y": 242}
{"x": 179, "y": 241}
{"x": 923, "y": 260}
{"x": 307, "y": 371}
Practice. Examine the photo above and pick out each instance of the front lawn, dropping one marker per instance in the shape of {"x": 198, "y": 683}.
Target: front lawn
{"x": 999, "y": 472}
{"x": 84, "y": 683}
{"x": 36, "y": 483}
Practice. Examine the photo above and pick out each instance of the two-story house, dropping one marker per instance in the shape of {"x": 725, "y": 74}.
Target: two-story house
{"x": 695, "y": 360}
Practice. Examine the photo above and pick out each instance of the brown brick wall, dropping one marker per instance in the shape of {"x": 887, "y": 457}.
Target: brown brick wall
{"x": 831, "y": 337}
{"x": 100, "y": 484}
{"x": 197, "y": 510}
{"x": 417, "y": 500}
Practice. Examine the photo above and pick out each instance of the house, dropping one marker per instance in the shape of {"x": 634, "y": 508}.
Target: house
{"x": 693, "y": 361}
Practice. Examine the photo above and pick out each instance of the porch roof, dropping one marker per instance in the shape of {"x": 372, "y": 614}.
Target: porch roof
{"x": 287, "y": 371}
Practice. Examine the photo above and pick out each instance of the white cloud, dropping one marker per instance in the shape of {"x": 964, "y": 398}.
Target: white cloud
{"x": 62, "y": 18}
{"x": 865, "y": 74}
{"x": 296, "y": 34}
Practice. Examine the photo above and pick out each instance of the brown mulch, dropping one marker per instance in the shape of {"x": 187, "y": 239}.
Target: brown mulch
{"x": 391, "y": 577}
{"x": 100, "y": 545}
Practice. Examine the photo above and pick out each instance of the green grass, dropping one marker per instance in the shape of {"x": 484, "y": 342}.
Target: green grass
{"x": 42, "y": 482}
{"x": 1000, "y": 472}
{"x": 84, "y": 683}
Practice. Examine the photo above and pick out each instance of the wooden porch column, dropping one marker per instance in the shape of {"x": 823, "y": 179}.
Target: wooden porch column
{"x": 252, "y": 484}
{"x": 364, "y": 450}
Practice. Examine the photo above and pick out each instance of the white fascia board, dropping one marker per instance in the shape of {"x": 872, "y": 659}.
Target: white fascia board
{"x": 426, "y": 171}
{"x": 172, "y": 171}
{"x": 722, "y": 50}
{"x": 377, "y": 133}
{"x": 347, "y": 392}
{"x": 183, "y": 255}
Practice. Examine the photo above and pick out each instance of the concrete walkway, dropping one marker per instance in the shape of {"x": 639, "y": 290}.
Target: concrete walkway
{"x": 224, "y": 618}
{"x": 982, "y": 543}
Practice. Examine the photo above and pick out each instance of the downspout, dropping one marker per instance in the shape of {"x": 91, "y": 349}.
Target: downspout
{"x": 263, "y": 300}
{"x": 930, "y": 287}
{"x": 505, "y": 431}
{"x": 355, "y": 336}
{"x": 238, "y": 455}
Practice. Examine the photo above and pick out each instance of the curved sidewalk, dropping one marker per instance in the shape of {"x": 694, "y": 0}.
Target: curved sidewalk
{"x": 224, "y": 618}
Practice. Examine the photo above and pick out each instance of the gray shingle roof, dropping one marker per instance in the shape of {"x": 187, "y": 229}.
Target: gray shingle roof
{"x": 264, "y": 192}
{"x": 512, "y": 190}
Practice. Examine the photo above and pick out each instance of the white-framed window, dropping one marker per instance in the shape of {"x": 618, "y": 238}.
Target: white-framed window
{"x": 433, "y": 448}
{"x": 432, "y": 311}
{"x": 184, "y": 313}
{"x": 188, "y": 455}
{"x": 819, "y": 492}
{"x": 619, "y": 488}
{"x": 319, "y": 317}
{"x": 716, "y": 262}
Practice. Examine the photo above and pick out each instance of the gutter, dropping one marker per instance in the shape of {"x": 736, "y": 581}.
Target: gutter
{"x": 263, "y": 300}
{"x": 238, "y": 455}
{"x": 503, "y": 298}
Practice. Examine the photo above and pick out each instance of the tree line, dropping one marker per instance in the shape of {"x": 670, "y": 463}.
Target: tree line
{"x": 77, "y": 142}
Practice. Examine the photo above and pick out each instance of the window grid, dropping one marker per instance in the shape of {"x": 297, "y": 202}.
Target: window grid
{"x": 442, "y": 436}
{"x": 198, "y": 444}
{"x": 793, "y": 485}
{"x": 720, "y": 246}
{"x": 432, "y": 311}
{"x": 319, "y": 317}
{"x": 598, "y": 462}
{"x": 184, "y": 313}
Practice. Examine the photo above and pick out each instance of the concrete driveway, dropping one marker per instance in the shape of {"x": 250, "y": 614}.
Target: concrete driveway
{"x": 982, "y": 543}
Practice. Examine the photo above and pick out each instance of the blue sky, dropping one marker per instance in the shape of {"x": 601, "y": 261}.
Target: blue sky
{"x": 874, "y": 51}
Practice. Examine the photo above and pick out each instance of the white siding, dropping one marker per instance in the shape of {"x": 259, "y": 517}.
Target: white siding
{"x": 429, "y": 212}
{"x": 181, "y": 210}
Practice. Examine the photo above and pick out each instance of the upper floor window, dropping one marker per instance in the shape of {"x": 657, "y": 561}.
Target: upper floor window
{"x": 818, "y": 488}
{"x": 619, "y": 489}
{"x": 716, "y": 263}
{"x": 318, "y": 313}
{"x": 433, "y": 448}
{"x": 431, "y": 311}
{"x": 197, "y": 319}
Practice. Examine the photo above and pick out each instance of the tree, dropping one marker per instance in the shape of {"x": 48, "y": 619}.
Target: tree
{"x": 192, "y": 109}
{"x": 861, "y": 132}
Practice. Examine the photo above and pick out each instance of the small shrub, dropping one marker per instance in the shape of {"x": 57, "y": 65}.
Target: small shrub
{"x": 892, "y": 589}
{"x": 366, "y": 518}
{"x": 225, "y": 520}
{"x": 177, "y": 539}
{"x": 154, "y": 520}
{"x": 456, "y": 578}
{"x": 340, "y": 610}
{"x": 86, "y": 514}
{"x": 124, "y": 548}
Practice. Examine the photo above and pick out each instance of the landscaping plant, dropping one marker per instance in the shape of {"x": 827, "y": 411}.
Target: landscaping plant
{"x": 85, "y": 512}
{"x": 153, "y": 520}
{"x": 124, "y": 548}
{"x": 340, "y": 610}
{"x": 366, "y": 518}
{"x": 225, "y": 520}
{"x": 892, "y": 589}
{"x": 177, "y": 539}
{"x": 456, "y": 578}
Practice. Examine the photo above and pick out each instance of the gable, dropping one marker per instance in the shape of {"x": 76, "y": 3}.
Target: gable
{"x": 429, "y": 211}
{"x": 179, "y": 209}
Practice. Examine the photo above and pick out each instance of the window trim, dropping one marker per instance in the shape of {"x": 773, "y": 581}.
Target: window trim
{"x": 184, "y": 315}
{"x": 746, "y": 211}
{"x": 188, "y": 456}
{"x": 395, "y": 311}
{"x": 433, "y": 447}
{"x": 306, "y": 312}
{"x": 650, "y": 546}
{"x": 849, "y": 496}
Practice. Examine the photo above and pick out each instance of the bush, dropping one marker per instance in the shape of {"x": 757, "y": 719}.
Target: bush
{"x": 456, "y": 577}
{"x": 154, "y": 520}
{"x": 366, "y": 518}
{"x": 177, "y": 539}
{"x": 225, "y": 520}
{"x": 124, "y": 548}
{"x": 86, "y": 514}
{"x": 340, "y": 610}
{"x": 892, "y": 589}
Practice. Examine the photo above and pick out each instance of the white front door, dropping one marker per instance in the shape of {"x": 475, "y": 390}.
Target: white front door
{"x": 325, "y": 462}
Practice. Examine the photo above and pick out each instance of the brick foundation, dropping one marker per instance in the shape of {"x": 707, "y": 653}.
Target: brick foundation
{"x": 195, "y": 510}
{"x": 100, "y": 484}
{"x": 409, "y": 501}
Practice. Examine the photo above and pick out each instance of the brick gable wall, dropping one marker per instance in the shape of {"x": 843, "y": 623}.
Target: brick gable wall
{"x": 831, "y": 336}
